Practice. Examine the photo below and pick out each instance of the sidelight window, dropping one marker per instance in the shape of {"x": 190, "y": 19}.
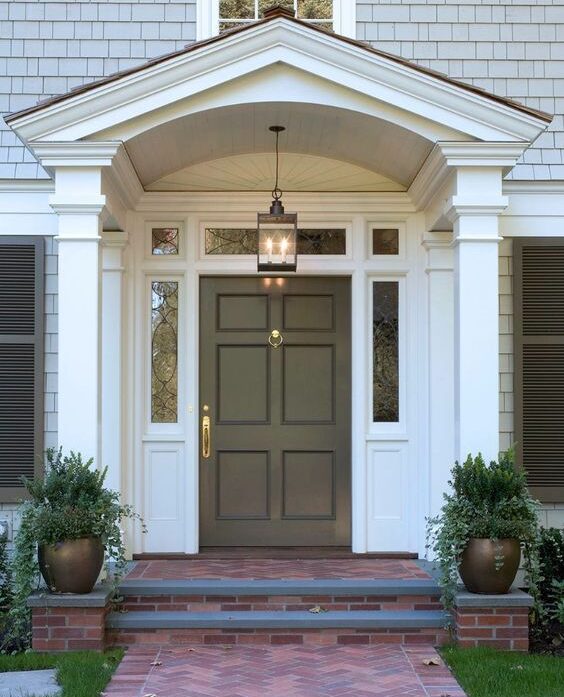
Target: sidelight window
{"x": 385, "y": 351}
{"x": 164, "y": 351}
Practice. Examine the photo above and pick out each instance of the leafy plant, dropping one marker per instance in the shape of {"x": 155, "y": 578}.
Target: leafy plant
{"x": 486, "y": 501}
{"x": 68, "y": 503}
{"x": 548, "y": 627}
{"x": 5, "y": 576}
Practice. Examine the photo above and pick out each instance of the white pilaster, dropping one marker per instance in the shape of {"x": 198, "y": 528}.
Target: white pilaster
{"x": 113, "y": 244}
{"x": 474, "y": 210}
{"x": 78, "y": 202}
{"x": 441, "y": 364}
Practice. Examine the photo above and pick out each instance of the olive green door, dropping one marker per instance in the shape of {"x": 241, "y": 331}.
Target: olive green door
{"x": 275, "y": 457}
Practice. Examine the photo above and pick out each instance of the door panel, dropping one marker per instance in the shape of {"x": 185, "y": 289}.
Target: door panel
{"x": 278, "y": 471}
{"x": 308, "y": 380}
{"x": 243, "y": 384}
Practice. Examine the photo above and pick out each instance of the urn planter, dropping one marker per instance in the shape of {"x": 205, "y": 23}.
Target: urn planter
{"x": 490, "y": 566}
{"x": 71, "y": 566}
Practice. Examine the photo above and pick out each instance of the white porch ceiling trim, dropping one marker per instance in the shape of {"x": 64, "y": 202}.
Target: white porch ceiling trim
{"x": 423, "y": 97}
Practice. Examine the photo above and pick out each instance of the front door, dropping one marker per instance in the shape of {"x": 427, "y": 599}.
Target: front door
{"x": 275, "y": 459}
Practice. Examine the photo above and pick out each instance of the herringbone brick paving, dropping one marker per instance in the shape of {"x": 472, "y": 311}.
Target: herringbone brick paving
{"x": 283, "y": 671}
{"x": 277, "y": 569}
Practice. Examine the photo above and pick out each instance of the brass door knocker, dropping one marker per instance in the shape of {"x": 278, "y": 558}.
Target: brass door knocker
{"x": 275, "y": 339}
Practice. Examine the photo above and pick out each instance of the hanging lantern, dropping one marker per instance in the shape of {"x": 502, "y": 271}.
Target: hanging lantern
{"x": 277, "y": 231}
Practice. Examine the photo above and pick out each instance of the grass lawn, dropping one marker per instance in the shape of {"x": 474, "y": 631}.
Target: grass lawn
{"x": 80, "y": 673}
{"x": 489, "y": 673}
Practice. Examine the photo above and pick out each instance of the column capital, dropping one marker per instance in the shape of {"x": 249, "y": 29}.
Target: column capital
{"x": 457, "y": 208}
{"x": 113, "y": 244}
{"x": 84, "y": 205}
{"x": 439, "y": 251}
{"x": 53, "y": 155}
{"x": 114, "y": 238}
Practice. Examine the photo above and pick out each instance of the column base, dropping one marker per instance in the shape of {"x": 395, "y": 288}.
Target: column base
{"x": 69, "y": 622}
{"x": 498, "y": 621}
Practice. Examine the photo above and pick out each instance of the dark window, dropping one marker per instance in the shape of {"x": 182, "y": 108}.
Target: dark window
{"x": 385, "y": 241}
{"x": 539, "y": 364}
{"x": 21, "y": 362}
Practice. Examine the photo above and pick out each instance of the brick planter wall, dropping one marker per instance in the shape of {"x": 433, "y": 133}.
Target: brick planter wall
{"x": 69, "y": 622}
{"x": 499, "y": 621}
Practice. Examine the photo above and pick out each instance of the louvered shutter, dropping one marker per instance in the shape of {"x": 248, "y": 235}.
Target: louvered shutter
{"x": 539, "y": 364}
{"x": 21, "y": 362}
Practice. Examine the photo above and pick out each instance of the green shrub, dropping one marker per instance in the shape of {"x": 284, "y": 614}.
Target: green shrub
{"x": 68, "y": 503}
{"x": 485, "y": 501}
{"x": 548, "y": 628}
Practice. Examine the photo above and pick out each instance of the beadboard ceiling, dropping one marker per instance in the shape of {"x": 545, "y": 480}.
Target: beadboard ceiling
{"x": 198, "y": 151}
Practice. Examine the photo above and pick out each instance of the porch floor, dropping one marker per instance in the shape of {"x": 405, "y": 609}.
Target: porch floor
{"x": 279, "y": 671}
{"x": 276, "y": 569}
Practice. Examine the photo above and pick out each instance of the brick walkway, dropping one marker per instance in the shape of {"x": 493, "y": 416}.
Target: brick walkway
{"x": 277, "y": 569}
{"x": 282, "y": 671}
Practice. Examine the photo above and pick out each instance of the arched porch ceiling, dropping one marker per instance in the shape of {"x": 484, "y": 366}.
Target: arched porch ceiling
{"x": 256, "y": 172}
{"x": 362, "y": 141}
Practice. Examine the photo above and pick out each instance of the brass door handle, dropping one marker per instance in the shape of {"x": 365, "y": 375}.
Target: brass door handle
{"x": 206, "y": 437}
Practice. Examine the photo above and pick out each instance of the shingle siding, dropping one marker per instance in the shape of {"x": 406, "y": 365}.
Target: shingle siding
{"x": 47, "y": 48}
{"x": 509, "y": 47}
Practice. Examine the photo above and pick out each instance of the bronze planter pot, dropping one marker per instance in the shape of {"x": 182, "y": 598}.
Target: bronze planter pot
{"x": 478, "y": 567}
{"x": 72, "y": 566}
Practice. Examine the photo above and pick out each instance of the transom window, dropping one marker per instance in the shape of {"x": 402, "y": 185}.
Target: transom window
{"x": 311, "y": 241}
{"x": 236, "y": 13}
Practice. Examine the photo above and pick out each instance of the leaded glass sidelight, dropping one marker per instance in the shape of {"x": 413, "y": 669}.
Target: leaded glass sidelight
{"x": 164, "y": 240}
{"x": 385, "y": 351}
{"x": 164, "y": 352}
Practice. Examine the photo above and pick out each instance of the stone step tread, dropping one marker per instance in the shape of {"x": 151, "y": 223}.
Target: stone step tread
{"x": 242, "y": 587}
{"x": 362, "y": 619}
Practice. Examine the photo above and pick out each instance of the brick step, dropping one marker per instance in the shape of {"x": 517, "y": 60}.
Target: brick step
{"x": 235, "y": 595}
{"x": 333, "y": 627}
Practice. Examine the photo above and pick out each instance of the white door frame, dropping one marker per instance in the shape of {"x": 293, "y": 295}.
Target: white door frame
{"x": 372, "y": 444}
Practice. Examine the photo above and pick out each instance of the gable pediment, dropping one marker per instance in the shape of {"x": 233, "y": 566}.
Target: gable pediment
{"x": 136, "y": 99}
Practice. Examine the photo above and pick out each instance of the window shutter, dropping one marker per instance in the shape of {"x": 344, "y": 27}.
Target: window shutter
{"x": 21, "y": 362}
{"x": 539, "y": 364}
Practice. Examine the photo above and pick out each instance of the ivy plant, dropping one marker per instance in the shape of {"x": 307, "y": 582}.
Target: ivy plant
{"x": 484, "y": 501}
{"x": 69, "y": 502}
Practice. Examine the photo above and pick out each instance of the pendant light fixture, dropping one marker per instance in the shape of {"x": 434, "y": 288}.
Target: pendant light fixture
{"x": 277, "y": 231}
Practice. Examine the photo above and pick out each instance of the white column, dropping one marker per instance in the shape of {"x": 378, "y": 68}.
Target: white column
{"x": 79, "y": 202}
{"x": 113, "y": 244}
{"x": 441, "y": 364}
{"x": 475, "y": 210}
